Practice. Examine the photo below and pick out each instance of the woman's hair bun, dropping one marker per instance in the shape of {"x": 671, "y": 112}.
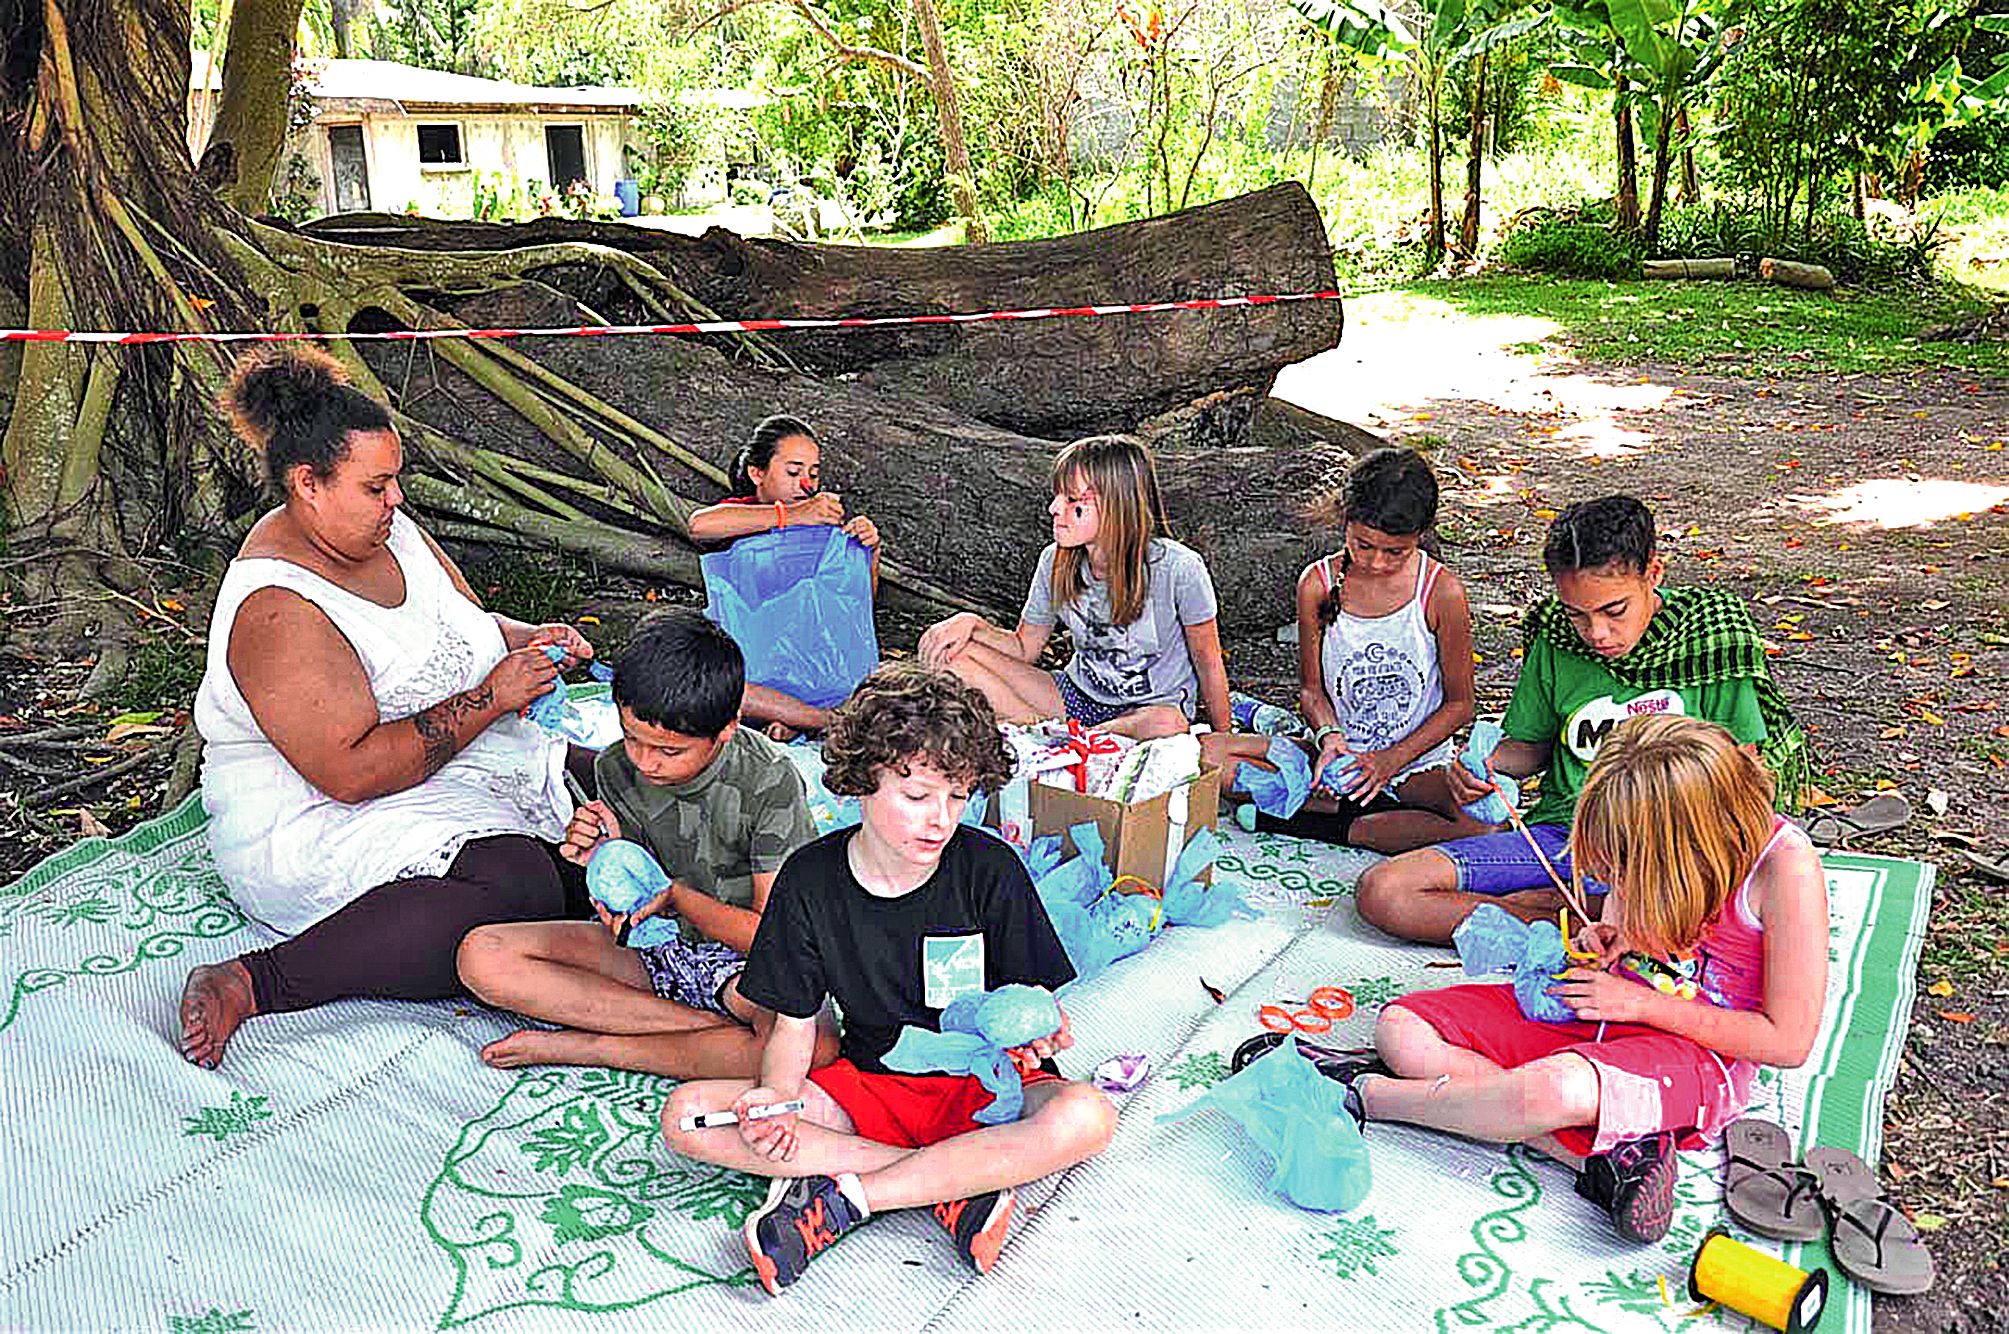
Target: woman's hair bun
{"x": 279, "y": 385}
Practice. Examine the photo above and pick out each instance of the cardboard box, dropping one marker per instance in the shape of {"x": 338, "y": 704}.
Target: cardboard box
{"x": 1136, "y": 836}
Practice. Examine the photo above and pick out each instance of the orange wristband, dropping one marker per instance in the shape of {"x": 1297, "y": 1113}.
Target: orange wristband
{"x": 780, "y": 515}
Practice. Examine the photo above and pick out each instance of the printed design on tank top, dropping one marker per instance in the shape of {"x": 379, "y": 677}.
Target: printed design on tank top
{"x": 1381, "y": 688}
{"x": 1697, "y": 975}
{"x": 1585, "y": 730}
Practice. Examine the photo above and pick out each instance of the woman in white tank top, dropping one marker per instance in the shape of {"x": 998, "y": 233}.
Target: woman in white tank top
{"x": 1385, "y": 668}
{"x": 373, "y": 790}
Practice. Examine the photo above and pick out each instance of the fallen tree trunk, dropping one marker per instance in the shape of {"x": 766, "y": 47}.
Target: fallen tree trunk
{"x": 1060, "y": 377}
{"x": 961, "y": 502}
{"x": 1688, "y": 268}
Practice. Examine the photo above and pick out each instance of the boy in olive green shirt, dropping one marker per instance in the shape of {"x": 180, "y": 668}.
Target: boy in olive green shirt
{"x": 720, "y": 808}
{"x": 1612, "y": 644}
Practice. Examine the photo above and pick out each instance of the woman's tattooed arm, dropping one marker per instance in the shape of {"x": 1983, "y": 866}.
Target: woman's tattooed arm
{"x": 444, "y": 729}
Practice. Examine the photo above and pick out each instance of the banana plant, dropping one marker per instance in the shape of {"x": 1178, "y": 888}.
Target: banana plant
{"x": 1676, "y": 46}
{"x": 1450, "y": 31}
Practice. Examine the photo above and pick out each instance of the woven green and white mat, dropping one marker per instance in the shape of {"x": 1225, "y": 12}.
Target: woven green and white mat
{"x": 358, "y": 1167}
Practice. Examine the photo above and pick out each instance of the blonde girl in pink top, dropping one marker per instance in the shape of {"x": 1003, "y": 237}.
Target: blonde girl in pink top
{"x": 1711, "y": 960}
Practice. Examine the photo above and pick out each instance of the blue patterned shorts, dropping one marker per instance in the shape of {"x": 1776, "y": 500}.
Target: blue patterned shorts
{"x": 1088, "y": 712}
{"x": 693, "y": 972}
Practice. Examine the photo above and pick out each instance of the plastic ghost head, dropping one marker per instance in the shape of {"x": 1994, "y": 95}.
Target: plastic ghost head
{"x": 1298, "y": 1118}
{"x": 976, "y": 1038}
{"x": 1492, "y": 940}
{"x": 623, "y": 876}
{"x": 1494, "y": 807}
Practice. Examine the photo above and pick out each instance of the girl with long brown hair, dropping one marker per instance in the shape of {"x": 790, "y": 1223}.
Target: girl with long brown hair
{"x": 1139, "y": 606}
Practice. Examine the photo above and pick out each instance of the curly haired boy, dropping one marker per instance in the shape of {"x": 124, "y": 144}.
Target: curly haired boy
{"x": 894, "y": 919}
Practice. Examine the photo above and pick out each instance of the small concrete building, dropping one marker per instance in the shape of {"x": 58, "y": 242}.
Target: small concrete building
{"x": 388, "y": 137}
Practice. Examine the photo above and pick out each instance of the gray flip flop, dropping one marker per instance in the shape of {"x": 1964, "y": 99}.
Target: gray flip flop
{"x": 1763, "y": 1188}
{"x": 1873, "y": 1243}
{"x": 1880, "y": 814}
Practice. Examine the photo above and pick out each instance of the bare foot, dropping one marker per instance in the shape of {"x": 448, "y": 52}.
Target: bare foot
{"x": 540, "y": 1046}
{"x": 1532, "y": 905}
{"x": 214, "y": 1001}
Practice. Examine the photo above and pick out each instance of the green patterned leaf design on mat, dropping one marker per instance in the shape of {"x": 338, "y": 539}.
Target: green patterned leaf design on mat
{"x": 574, "y": 1140}
{"x": 1638, "y": 1291}
{"x": 1375, "y": 991}
{"x": 561, "y": 1197}
{"x": 140, "y": 899}
{"x": 1356, "y": 1244}
{"x": 92, "y": 908}
{"x": 235, "y": 1118}
{"x": 1488, "y": 1269}
{"x": 1198, "y": 1070}
{"x": 212, "y": 1321}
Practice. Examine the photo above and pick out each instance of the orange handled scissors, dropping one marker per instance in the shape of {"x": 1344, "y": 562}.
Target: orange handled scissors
{"x": 1320, "y": 1011}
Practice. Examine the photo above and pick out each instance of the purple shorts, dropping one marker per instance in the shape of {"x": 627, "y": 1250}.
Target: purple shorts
{"x": 1503, "y": 864}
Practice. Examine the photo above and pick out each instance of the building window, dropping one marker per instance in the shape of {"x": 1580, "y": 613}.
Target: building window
{"x": 439, "y": 146}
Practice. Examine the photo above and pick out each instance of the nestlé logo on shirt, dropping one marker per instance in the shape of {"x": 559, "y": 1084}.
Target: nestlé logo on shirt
{"x": 1585, "y": 730}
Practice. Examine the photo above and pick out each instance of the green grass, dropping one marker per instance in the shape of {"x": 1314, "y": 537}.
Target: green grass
{"x": 536, "y": 589}
{"x": 1736, "y": 327}
{"x": 163, "y": 673}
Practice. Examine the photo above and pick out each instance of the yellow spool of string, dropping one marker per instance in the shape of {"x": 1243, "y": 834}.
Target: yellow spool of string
{"x": 1752, "y": 1283}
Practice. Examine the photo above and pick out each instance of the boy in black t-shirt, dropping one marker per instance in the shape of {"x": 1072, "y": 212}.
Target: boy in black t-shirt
{"x": 894, "y": 919}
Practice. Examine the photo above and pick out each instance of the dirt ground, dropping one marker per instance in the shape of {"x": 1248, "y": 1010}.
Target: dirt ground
{"x": 1865, "y": 517}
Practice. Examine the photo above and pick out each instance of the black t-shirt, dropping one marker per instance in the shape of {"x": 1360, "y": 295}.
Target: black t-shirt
{"x": 975, "y": 925}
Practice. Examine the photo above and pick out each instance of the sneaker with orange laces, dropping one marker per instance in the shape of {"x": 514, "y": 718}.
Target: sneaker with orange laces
{"x": 978, "y": 1225}
{"x": 800, "y": 1219}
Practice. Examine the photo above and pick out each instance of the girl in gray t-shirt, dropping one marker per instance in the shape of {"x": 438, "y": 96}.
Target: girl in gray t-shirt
{"x": 1139, "y": 607}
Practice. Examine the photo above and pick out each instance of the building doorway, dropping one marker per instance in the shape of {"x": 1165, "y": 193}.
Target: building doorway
{"x": 565, "y": 151}
{"x": 351, "y": 168}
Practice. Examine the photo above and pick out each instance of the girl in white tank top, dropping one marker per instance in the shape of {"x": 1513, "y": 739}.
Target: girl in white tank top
{"x": 1385, "y": 668}
{"x": 1382, "y": 675}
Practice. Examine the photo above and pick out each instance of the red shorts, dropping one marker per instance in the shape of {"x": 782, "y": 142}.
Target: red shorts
{"x": 1649, "y": 1080}
{"x": 909, "y": 1111}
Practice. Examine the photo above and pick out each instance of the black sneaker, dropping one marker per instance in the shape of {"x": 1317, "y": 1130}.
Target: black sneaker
{"x": 1343, "y": 1064}
{"x": 801, "y": 1217}
{"x": 979, "y": 1225}
{"x": 1634, "y": 1183}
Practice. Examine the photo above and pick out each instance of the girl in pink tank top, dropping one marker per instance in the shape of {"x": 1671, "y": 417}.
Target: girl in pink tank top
{"x": 1710, "y": 959}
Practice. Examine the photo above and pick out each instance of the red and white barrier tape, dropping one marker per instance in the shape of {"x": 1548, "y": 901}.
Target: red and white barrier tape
{"x": 696, "y": 327}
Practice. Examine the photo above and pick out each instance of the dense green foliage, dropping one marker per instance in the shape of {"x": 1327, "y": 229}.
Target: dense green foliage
{"x": 1684, "y": 127}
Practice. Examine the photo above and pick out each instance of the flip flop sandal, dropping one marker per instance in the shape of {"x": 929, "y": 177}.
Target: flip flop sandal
{"x": 1879, "y": 815}
{"x": 1873, "y": 1243}
{"x": 1764, "y": 1189}
{"x": 1993, "y": 868}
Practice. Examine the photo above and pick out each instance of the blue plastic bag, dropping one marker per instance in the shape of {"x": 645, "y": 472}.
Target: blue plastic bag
{"x": 798, "y": 601}
{"x": 1494, "y": 807}
{"x": 1189, "y": 902}
{"x": 554, "y": 712}
{"x": 1279, "y": 793}
{"x": 623, "y": 876}
{"x": 1493, "y": 940}
{"x": 976, "y": 1034}
{"x": 1298, "y": 1118}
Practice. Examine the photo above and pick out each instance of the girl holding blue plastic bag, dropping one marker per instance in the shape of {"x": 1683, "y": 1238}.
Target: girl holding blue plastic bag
{"x": 1139, "y": 606}
{"x": 1385, "y": 665}
{"x": 777, "y": 482}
